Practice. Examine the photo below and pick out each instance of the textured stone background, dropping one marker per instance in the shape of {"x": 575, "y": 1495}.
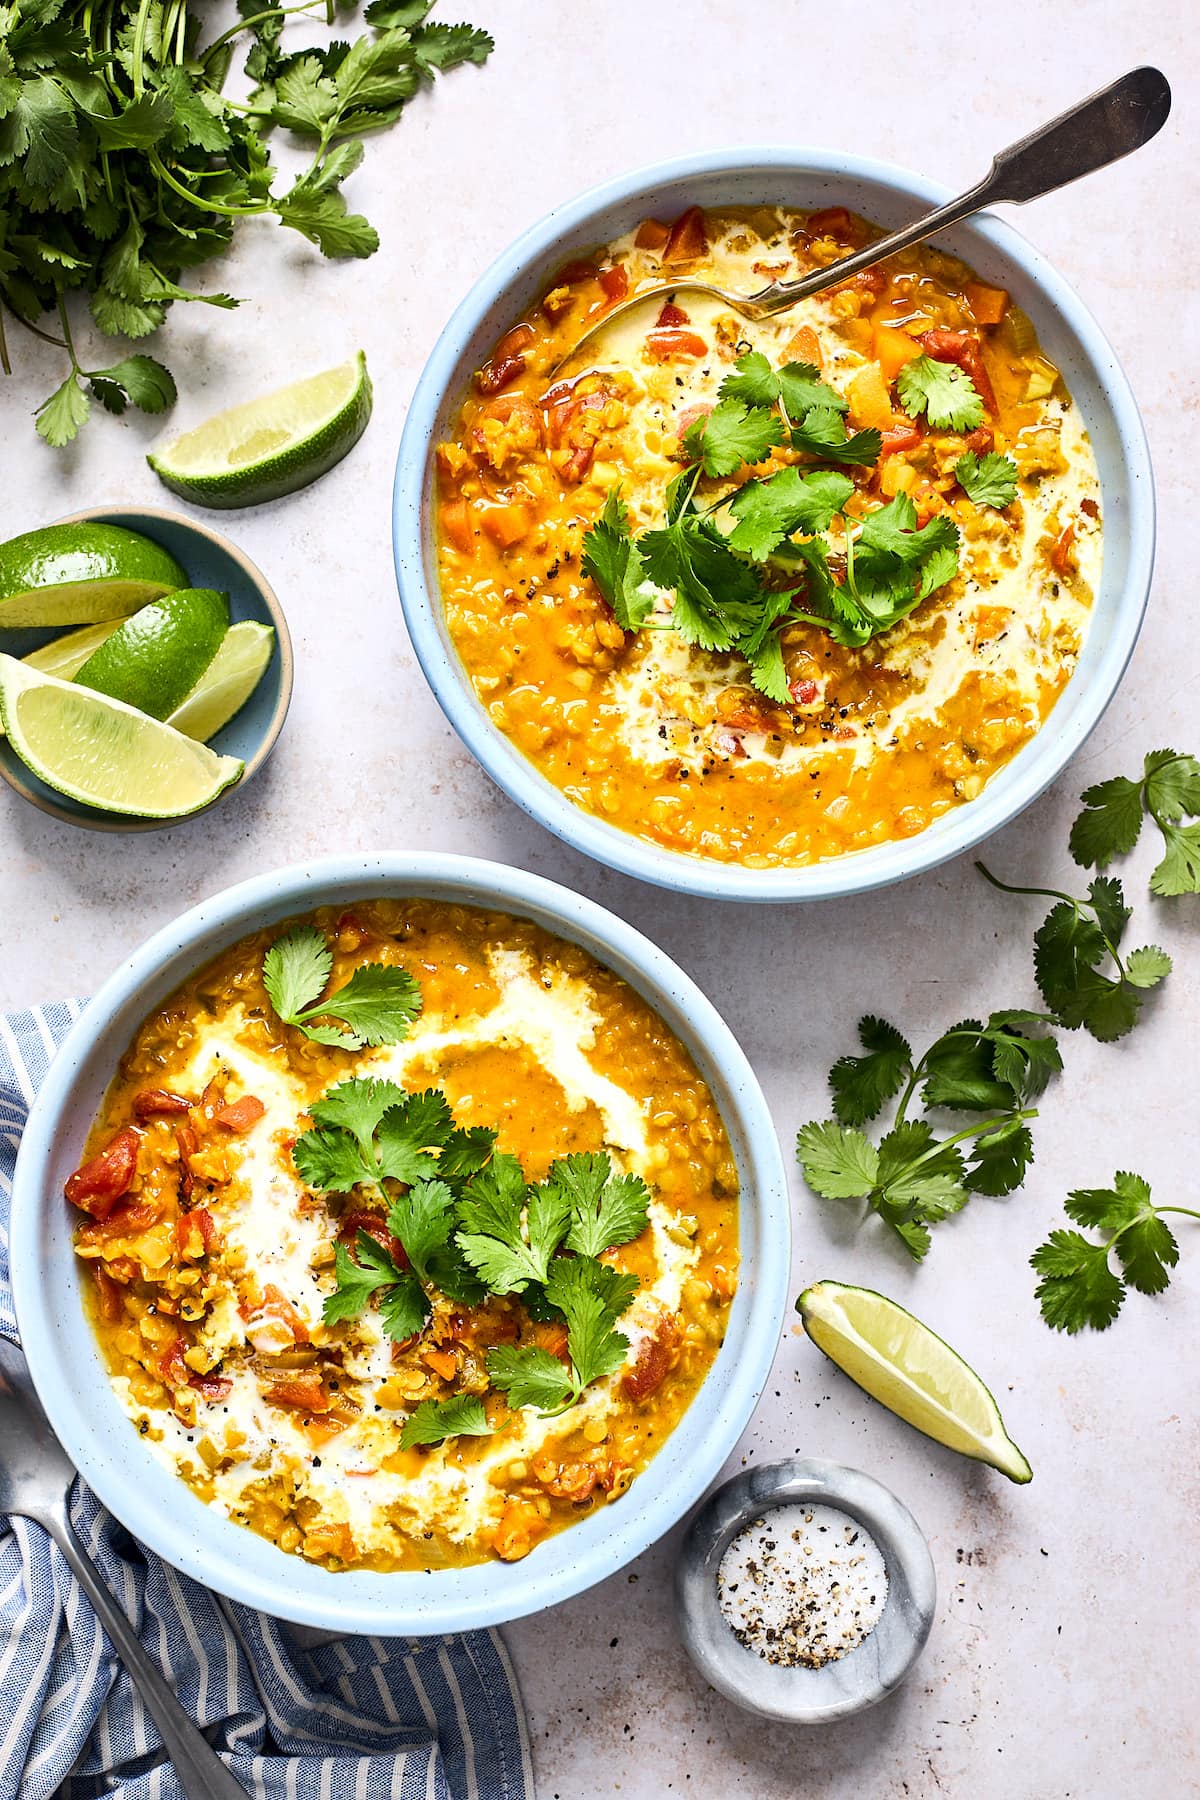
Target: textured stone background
{"x": 1062, "y": 1662}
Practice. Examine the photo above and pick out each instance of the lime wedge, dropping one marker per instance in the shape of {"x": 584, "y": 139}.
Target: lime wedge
{"x": 77, "y": 574}
{"x": 227, "y": 683}
{"x": 104, "y": 753}
{"x": 156, "y": 657}
{"x": 64, "y": 656}
{"x": 272, "y": 445}
{"x": 911, "y": 1371}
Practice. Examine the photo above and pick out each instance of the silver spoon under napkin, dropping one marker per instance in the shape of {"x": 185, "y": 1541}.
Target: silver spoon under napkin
{"x": 1099, "y": 130}
{"x": 35, "y": 1481}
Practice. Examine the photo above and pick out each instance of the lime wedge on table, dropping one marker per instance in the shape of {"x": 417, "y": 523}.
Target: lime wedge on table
{"x": 155, "y": 658}
{"x": 100, "y": 751}
{"x": 910, "y": 1370}
{"x": 77, "y": 574}
{"x": 227, "y": 683}
{"x": 64, "y": 656}
{"x": 272, "y": 445}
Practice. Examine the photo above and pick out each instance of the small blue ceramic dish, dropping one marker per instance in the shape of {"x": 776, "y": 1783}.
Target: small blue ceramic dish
{"x": 64, "y": 1357}
{"x": 891, "y": 197}
{"x": 209, "y": 560}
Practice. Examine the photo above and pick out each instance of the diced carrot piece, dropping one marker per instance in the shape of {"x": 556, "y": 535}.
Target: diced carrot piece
{"x": 905, "y": 436}
{"x": 507, "y": 524}
{"x": 651, "y": 235}
{"x": 988, "y": 304}
{"x": 614, "y": 282}
{"x": 456, "y": 523}
{"x": 1062, "y": 557}
{"x": 441, "y": 1362}
{"x": 892, "y": 349}
{"x": 241, "y": 1115}
{"x": 868, "y": 397}
{"x": 688, "y": 239}
{"x": 664, "y": 346}
{"x": 805, "y": 346}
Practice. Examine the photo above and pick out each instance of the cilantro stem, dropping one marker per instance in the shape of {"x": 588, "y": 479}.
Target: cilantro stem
{"x": 1007, "y": 887}
{"x": 213, "y": 206}
{"x": 5, "y": 364}
{"x": 257, "y": 18}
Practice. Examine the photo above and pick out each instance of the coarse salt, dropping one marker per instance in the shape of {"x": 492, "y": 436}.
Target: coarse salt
{"x": 802, "y": 1585}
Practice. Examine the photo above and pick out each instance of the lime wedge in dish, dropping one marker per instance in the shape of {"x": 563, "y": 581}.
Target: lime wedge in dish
{"x": 155, "y": 658}
{"x": 269, "y": 446}
{"x": 64, "y": 656}
{"x": 99, "y": 751}
{"x": 81, "y": 573}
{"x": 227, "y": 683}
{"x": 911, "y": 1371}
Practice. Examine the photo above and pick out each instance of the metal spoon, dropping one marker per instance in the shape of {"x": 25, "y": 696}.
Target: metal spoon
{"x": 1098, "y": 131}
{"x": 35, "y": 1481}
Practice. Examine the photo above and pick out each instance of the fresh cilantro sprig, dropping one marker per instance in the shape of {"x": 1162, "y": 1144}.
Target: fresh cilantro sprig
{"x": 988, "y": 480}
{"x": 376, "y": 1006}
{"x": 757, "y": 560}
{"x": 1076, "y": 944}
{"x": 591, "y": 1297}
{"x": 124, "y": 165}
{"x": 942, "y": 391}
{"x": 1110, "y": 824}
{"x": 433, "y": 1421}
{"x": 510, "y": 1232}
{"x": 1079, "y": 1286}
{"x": 913, "y": 1178}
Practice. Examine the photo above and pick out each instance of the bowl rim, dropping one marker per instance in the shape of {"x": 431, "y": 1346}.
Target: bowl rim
{"x": 265, "y": 1577}
{"x": 94, "y": 819}
{"x": 859, "y": 871}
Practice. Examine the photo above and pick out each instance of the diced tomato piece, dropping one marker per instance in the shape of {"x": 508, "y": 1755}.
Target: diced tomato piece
{"x": 665, "y": 345}
{"x": 211, "y": 1387}
{"x": 688, "y": 239}
{"x": 690, "y": 414}
{"x": 831, "y": 221}
{"x": 278, "y": 1303}
{"x": 187, "y": 1144}
{"x": 579, "y": 270}
{"x": 672, "y": 315}
{"x": 1062, "y": 557}
{"x": 373, "y": 1224}
{"x": 980, "y": 440}
{"x": 867, "y": 281}
{"x": 1089, "y": 507}
{"x": 899, "y": 437}
{"x": 306, "y": 1391}
{"x": 656, "y": 1357}
{"x": 126, "y": 1220}
{"x": 152, "y": 1102}
{"x": 170, "y": 1365}
{"x": 108, "y": 1294}
{"x": 197, "y": 1224}
{"x": 241, "y": 1115}
{"x": 507, "y": 360}
{"x": 99, "y": 1183}
{"x": 651, "y": 235}
{"x": 614, "y": 282}
{"x": 961, "y": 348}
{"x": 803, "y": 692}
{"x": 728, "y": 743}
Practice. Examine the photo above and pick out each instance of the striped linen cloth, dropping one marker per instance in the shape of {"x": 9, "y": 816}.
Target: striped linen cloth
{"x": 347, "y": 1719}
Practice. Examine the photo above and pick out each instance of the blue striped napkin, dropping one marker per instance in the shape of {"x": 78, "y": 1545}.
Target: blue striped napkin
{"x": 405, "y": 1718}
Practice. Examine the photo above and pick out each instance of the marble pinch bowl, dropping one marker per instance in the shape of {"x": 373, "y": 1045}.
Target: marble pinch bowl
{"x": 865, "y": 1675}
{"x": 210, "y": 560}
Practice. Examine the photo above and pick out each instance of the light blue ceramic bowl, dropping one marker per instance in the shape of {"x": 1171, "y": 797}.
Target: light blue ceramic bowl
{"x": 890, "y": 196}
{"x": 209, "y": 560}
{"x": 158, "y": 1508}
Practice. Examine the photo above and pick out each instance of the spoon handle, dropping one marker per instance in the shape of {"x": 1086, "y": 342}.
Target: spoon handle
{"x": 1098, "y": 131}
{"x": 202, "y": 1774}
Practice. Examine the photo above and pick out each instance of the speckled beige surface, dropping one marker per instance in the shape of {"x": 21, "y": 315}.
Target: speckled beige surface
{"x": 1062, "y": 1662}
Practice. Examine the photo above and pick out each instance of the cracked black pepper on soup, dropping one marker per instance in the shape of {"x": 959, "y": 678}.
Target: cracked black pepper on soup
{"x": 802, "y": 1585}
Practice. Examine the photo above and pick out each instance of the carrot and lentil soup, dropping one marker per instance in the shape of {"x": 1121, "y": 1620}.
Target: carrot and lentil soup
{"x": 234, "y": 1297}
{"x": 673, "y": 742}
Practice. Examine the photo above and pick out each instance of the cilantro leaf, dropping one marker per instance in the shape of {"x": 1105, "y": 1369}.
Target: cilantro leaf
{"x": 822, "y": 432}
{"x": 404, "y": 1308}
{"x": 433, "y": 1421}
{"x": 988, "y": 480}
{"x": 1079, "y": 1286}
{"x": 715, "y": 592}
{"x": 357, "y": 1106}
{"x": 331, "y": 1162}
{"x": 423, "y": 1219}
{"x": 591, "y": 1297}
{"x": 1110, "y": 823}
{"x": 507, "y": 1250}
{"x": 530, "y": 1377}
{"x": 60, "y": 416}
{"x": 753, "y": 381}
{"x": 942, "y": 391}
{"x": 409, "y": 1133}
{"x": 358, "y": 1281}
{"x": 838, "y": 1163}
{"x": 769, "y": 511}
{"x": 1000, "y": 1159}
{"x": 137, "y": 381}
{"x": 797, "y": 386}
{"x": 1069, "y": 948}
{"x": 615, "y": 564}
{"x": 862, "y": 1084}
{"x": 295, "y": 969}
{"x": 604, "y": 1209}
{"x": 1179, "y": 870}
{"x": 763, "y": 649}
{"x": 960, "y": 1070}
{"x": 730, "y": 435}
{"x": 1172, "y": 785}
{"x": 377, "y": 1004}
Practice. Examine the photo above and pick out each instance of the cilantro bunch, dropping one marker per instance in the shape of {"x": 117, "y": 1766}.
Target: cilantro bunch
{"x": 463, "y": 1221}
{"x": 124, "y": 165}
{"x": 913, "y": 1178}
{"x": 1079, "y": 1286}
{"x": 732, "y": 569}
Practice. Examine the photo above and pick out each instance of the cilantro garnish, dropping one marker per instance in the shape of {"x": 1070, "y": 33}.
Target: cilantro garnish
{"x": 988, "y": 480}
{"x": 1073, "y": 944}
{"x": 377, "y": 1005}
{"x": 728, "y": 569}
{"x": 510, "y": 1232}
{"x": 403, "y": 1303}
{"x": 912, "y": 1179}
{"x": 1079, "y": 1286}
{"x": 591, "y": 1298}
{"x": 1111, "y": 822}
{"x": 433, "y": 1421}
{"x": 942, "y": 391}
{"x": 123, "y": 164}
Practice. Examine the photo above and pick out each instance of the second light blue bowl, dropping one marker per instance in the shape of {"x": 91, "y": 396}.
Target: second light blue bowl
{"x": 891, "y": 197}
